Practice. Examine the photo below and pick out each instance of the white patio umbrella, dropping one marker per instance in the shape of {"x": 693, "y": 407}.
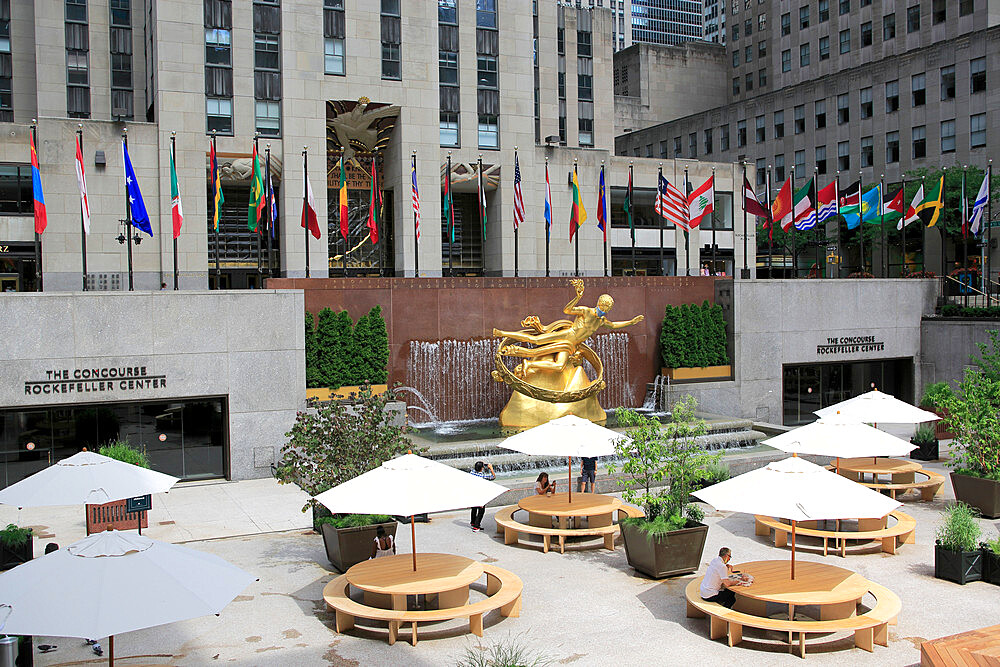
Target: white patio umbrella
{"x": 875, "y": 406}
{"x": 113, "y": 582}
{"x": 797, "y": 490}
{"x": 833, "y": 436}
{"x": 409, "y": 485}
{"x": 567, "y": 436}
{"x": 85, "y": 479}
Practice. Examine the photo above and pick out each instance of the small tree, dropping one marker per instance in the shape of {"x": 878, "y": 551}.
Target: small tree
{"x": 313, "y": 375}
{"x": 373, "y": 347}
{"x": 334, "y": 339}
{"x": 973, "y": 415}
{"x": 334, "y": 441}
{"x": 670, "y": 348}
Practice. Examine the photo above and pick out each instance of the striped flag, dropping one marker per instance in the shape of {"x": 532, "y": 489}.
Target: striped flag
{"x": 577, "y": 213}
{"x": 671, "y": 204}
{"x": 601, "y": 206}
{"x": 701, "y": 202}
{"x": 81, "y": 181}
{"x": 176, "y": 212}
{"x": 375, "y": 203}
{"x": 980, "y": 204}
{"x": 827, "y": 202}
{"x": 750, "y": 202}
{"x": 805, "y": 214}
{"x": 911, "y": 212}
{"x": 343, "y": 199}
{"x": 218, "y": 199}
{"x": 416, "y": 198}
{"x": 272, "y": 201}
{"x": 518, "y": 197}
{"x": 41, "y": 216}
{"x": 548, "y": 203}
{"x": 482, "y": 198}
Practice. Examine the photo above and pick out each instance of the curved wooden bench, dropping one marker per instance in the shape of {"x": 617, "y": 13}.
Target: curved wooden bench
{"x": 927, "y": 488}
{"x": 510, "y": 528}
{"x": 503, "y": 590}
{"x": 891, "y": 537}
{"x": 868, "y": 628}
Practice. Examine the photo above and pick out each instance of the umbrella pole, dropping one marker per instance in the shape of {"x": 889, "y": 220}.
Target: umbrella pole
{"x": 413, "y": 542}
{"x": 793, "y": 549}
{"x": 569, "y": 477}
{"x": 111, "y": 651}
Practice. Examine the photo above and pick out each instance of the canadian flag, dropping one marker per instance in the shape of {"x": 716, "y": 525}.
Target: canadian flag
{"x": 309, "y": 211}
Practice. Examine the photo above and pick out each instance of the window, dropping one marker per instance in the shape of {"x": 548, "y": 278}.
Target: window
{"x": 845, "y": 7}
{"x": 786, "y": 60}
{"x": 918, "y": 88}
{"x": 586, "y": 131}
{"x": 761, "y": 171}
{"x": 748, "y": 27}
{"x": 736, "y": 58}
{"x": 219, "y": 112}
{"x": 265, "y": 52}
{"x": 736, "y": 85}
{"x": 977, "y": 75}
{"x": 948, "y": 82}
{"x": 693, "y": 145}
{"x": 844, "y": 156}
{"x": 888, "y": 27}
{"x": 677, "y": 146}
{"x": 736, "y": 31}
{"x": 919, "y": 141}
{"x": 803, "y": 54}
{"x": 749, "y": 81}
{"x": 800, "y": 162}
{"x": 486, "y": 14}
{"x": 663, "y": 150}
{"x": 821, "y": 159}
{"x": 866, "y": 102}
{"x": 748, "y": 54}
{"x": 218, "y": 46}
{"x": 867, "y": 152}
{"x": 218, "y": 67}
{"x": 761, "y": 135}
{"x": 584, "y": 46}
{"x": 779, "y": 168}
{"x": 843, "y": 109}
{"x": 977, "y": 130}
{"x": 741, "y": 133}
{"x": 267, "y": 63}
{"x": 449, "y": 128}
{"x": 761, "y": 78}
{"x": 448, "y": 68}
{"x": 489, "y": 129}
{"x": 891, "y": 96}
{"x": 845, "y": 41}
{"x": 391, "y": 65}
{"x": 939, "y": 11}
{"x": 15, "y": 190}
{"x": 486, "y": 72}
{"x": 824, "y": 48}
{"x": 77, "y": 59}
{"x": 724, "y": 137}
{"x": 761, "y": 21}
{"x": 965, "y": 7}
{"x": 866, "y": 34}
{"x": 708, "y": 141}
{"x": 779, "y": 124}
{"x": 892, "y": 147}
{"x": 390, "y": 30}
{"x": 268, "y": 118}
{"x": 76, "y": 11}
{"x": 6, "y": 97}
{"x": 803, "y": 17}
{"x": 800, "y": 119}
{"x": 820, "y": 114}
{"x": 761, "y": 49}
{"x": 786, "y": 25}
{"x": 947, "y": 136}
{"x": 913, "y": 19}
{"x": 333, "y": 55}
{"x": 824, "y": 10}
{"x": 447, "y": 11}
{"x": 120, "y": 38}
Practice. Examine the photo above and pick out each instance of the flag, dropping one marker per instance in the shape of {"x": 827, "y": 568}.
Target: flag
{"x": 548, "y": 203}
{"x": 217, "y": 197}
{"x": 805, "y": 214}
{"x": 482, "y": 200}
{"x": 374, "y": 206}
{"x": 827, "y": 202}
{"x": 518, "y": 197}
{"x": 628, "y": 205}
{"x": 309, "y": 209}
{"x": 701, "y": 202}
{"x": 871, "y": 206}
{"x": 256, "y": 193}
{"x": 911, "y": 212}
{"x": 577, "y": 213}
{"x": 934, "y": 202}
{"x": 449, "y": 205}
{"x": 272, "y": 201}
{"x": 81, "y": 181}
{"x": 41, "y": 217}
{"x": 965, "y": 209}
{"x": 893, "y": 209}
{"x": 850, "y": 204}
{"x": 343, "y": 199}
{"x": 415, "y": 192}
{"x": 671, "y": 204}
{"x": 781, "y": 209}
{"x": 137, "y": 207}
{"x": 176, "y": 212}
{"x": 980, "y": 204}
{"x": 750, "y": 203}
{"x": 601, "y": 206}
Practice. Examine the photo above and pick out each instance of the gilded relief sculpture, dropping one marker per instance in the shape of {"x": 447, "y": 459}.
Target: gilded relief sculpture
{"x": 550, "y": 381}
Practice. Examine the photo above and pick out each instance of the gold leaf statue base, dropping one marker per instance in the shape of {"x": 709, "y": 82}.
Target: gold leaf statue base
{"x": 523, "y": 411}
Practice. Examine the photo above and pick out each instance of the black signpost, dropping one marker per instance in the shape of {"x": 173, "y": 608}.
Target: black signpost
{"x": 139, "y": 504}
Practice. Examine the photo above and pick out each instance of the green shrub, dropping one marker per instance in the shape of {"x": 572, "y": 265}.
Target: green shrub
{"x": 13, "y": 537}
{"x": 340, "y": 353}
{"x": 993, "y": 545}
{"x": 984, "y": 312}
{"x": 960, "y": 530}
{"x": 693, "y": 336}
{"x": 372, "y": 342}
{"x": 508, "y": 652}
{"x": 935, "y": 394}
{"x": 352, "y": 520}
{"x": 121, "y": 450}
{"x": 923, "y": 436}
{"x": 313, "y": 376}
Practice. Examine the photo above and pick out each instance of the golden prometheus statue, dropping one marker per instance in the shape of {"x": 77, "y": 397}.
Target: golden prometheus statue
{"x": 550, "y": 381}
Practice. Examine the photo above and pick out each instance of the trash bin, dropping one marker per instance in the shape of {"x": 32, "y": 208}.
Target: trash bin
{"x": 8, "y": 651}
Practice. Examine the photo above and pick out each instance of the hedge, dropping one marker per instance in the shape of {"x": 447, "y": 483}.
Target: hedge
{"x": 339, "y": 353}
{"x": 693, "y": 336}
{"x": 953, "y": 310}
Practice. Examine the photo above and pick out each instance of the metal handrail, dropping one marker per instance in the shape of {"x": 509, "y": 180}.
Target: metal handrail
{"x": 989, "y": 298}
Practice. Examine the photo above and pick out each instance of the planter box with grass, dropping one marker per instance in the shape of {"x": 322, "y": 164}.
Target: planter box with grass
{"x": 958, "y": 566}
{"x": 991, "y": 563}
{"x": 16, "y": 546}
{"x": 927, "y": 444}
{"x": 348, "y": 545}
{"x": 666, "y": 555}
{"x": 957, "y": 554}
{"x": 978, "y": 492}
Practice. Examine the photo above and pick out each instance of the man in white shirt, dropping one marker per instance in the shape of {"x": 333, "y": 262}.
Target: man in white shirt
{"x": 716, "y": 583}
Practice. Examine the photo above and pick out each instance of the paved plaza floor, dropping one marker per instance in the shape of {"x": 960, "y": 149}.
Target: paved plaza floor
{"x": 580, "y": 608}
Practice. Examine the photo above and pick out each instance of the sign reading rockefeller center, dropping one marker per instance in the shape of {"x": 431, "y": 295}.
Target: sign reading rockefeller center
{"x": 100, "y": 379}
{"x": 850, "y": 344}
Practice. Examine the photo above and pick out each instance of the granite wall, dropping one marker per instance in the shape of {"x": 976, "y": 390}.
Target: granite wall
{"x": 947, "y": 345}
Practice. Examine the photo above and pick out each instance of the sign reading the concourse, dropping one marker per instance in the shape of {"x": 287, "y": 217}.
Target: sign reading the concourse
{"x": 102, "y": 379}
{"x": 850, "y": 345}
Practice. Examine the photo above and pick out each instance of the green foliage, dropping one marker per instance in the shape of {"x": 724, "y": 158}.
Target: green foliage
{"x": 960, "y": 530}
{"x": 693, "y": 336}
{"x": 993, "y": 545}
{"x": 989, "y": 362}
{"x": 973, "y": 415}
{"x": 353, "y": 520}
{"x": 334, "y": 343}
{"x": 923, "y": 436}
{"x": 508, "y": 652}
{"x": 339, "y": 353}
{"x": 331, "y": 442}
{"x": 935, "y": 394}
{"x": 985, "y": 312}
{"x": 121, "y": 450}
{"x": 13, "y": 537}
{"x": 372, "y": 342}
{"x": 313, "y": 375}
{"x": 652, "y": 452}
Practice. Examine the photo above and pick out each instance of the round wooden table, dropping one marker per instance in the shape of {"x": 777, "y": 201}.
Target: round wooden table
{"x": 599, "y": 509}
{"x": 835, "y": 590}
{"x": 900, "y": 471}
{"x": 387, "y": 581}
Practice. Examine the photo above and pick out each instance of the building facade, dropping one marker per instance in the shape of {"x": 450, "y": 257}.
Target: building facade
{"x": 650, "y": 21}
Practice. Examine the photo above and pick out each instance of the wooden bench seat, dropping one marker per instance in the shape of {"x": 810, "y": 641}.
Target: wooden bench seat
{"x": 503, "y": 590}
{"x": 975, "y": 648}
{"x": 869, "y": 628}
{"x": 902, "y": 532}
{"x": 510, "y": 528}
{"x": 928, "y": 488}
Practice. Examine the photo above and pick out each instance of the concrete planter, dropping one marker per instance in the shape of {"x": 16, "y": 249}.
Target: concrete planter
{"x": 983, "y": 494}
{"x": 326, "y": 394}
{"x": 696, "y": 374}
{"x": 13, "y": 557}
{"x": 991, "y": 566}
{"x": 666, "y": 555}
{"x": 958, "y": 566}
{"x": 349, "y": 546}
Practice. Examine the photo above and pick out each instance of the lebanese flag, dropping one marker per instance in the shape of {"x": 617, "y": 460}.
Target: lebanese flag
{"x": 781, "y": 209}
{"x": 81, "y": 181}
{"x": 309, "y": 211}
{"x": 911, "y": 212}
{"x": 701, "y": 202}
{"x": 750, "y": 203}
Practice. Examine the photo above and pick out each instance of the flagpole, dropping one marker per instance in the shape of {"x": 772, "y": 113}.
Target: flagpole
{"x": 861, "y": 222}
{"x": 416, "y": 227}
{"x": 600, "y": 184}
{"x": 38, "y": 237}
{"x": 920, "y": 226}
{"x": 270, "y": 212}
{"x": 941, "y": 228}
{"x": 576, "y": 235}
{"x": 902, "y": 269}
{"x": 836, "y": 198}
{"x": 173, "y": 157}
{"x": 481, "y": 195}
{"x": 882, "y": 254}
{"x": 712, "y": 219}
{"x": 548, "y": 222}
{"x": 663, "y": 265}
{"x": 128, "y": 216}
{"x": 795, "y": 248}
{"x": 260, "y": 241}
{"x": 628, "y": 195}
{"x": 516, "y": 224}
{"x": 451, "y": 224}
{"x": 965, "y": 240}
{"x": 815, "y": 203}
{"x": 83, "y": 229}
{"x": 305, "y": 199}
{"x": 745, "y": 275}
{"x": 989, "y": 228}
{"x": 380, "y": 246}
{"x": 687, "y": 232}
{"x": 216, "y": 183}
{"x": 770, "y": 229}
{"x": 347, "y": 236}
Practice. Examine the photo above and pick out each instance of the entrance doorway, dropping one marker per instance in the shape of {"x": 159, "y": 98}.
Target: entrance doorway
{"x": 810, "y": 387}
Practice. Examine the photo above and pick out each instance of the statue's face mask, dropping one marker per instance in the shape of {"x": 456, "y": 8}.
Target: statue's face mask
{"x": 600, "y": 313}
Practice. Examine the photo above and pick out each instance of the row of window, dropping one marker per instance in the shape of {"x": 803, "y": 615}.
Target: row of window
{"x": 939, "y": 14}
{"x": 6, "y": 65}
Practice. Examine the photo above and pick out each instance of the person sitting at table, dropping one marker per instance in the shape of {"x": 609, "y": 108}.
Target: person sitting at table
{"x": 543, "y": 486}
{"x": 383, "y": 545}
{"x": 716, "y": 584}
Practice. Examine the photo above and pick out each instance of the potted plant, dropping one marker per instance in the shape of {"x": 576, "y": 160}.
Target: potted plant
{"x": 927, "y": 444}
{"x": 114, "y": 514}
{"x": 670, "y": 539}
{"x": 991, "y": 560}
{"x": 934, "y": 397}
{"x": 693, "y": 343}
{"x": 330, "y": 443}
{"x": 15, "y": 546}
{"x": 957, "y": 556}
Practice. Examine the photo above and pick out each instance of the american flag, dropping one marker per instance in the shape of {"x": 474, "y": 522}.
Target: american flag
{"x": 671, "y": 204}
{"x": 518, "y": 197}
{"x": 416, "y": 198}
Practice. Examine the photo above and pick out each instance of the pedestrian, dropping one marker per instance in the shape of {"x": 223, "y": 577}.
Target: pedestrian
{"x": 484, "y": 470}
{"x": 588, "y": 474}
{"x": 383, "y": 545}
{"x": 717, "y": 581}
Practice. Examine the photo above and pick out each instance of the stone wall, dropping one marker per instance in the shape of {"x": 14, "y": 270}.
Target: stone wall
{"x": 946, "y": 346}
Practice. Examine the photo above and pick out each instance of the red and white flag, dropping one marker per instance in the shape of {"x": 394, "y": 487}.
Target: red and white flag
{"x": 81, "y": 180}
{"x": 309, "y": 210}
{"x": 750, "y": 202}
{"x": 518, "y": 197}
{"x": 671, "y": 204}
{"x": 911, "y": 212}
{"x": 701, "y": 202}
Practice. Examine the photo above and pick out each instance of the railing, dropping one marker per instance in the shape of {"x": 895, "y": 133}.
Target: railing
{"x": 967, "y": 294}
